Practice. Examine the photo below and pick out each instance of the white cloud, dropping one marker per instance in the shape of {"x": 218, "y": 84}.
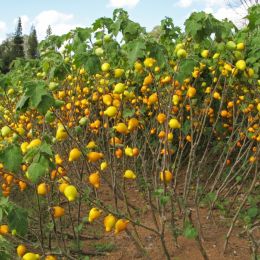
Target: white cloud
{"x": 184, "y": 3}
{"x": 3, "y": 28}
{"x": 123, "y": 3}
{"x": 60, "y": 22}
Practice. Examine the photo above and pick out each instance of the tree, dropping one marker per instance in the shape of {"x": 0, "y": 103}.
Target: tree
{"x": 33, "y": 44}
{"x": 48, "y": 32}
{"x": 6, "y": 54}
{"x": 18, "y": 41}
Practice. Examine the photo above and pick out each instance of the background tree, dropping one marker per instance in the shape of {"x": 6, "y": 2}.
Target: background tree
{"x": 48, "y": 32}
{"x": 32, "y": 44}
{"x": 6, "y": 54}
{"x": 18, "y": 40}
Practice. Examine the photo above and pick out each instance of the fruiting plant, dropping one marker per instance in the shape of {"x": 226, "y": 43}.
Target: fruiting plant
{"x": 174, "y": 118}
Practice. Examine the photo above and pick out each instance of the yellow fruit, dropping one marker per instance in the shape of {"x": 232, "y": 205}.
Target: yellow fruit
{"x": 63, "y": 186}
{"x": 174, "y": 123}
{"x": 91, "y": 145}
{"x": 110, "y": 111}
{"x": 94, "y": 179}
{"x": 240, "y": 46}
{"x": 129, "y": 151}
{"x": 103, "y": 166}
{"x": 34, "y": 143}
{"x": 58, "y": 159}
{"x": 58, "y": 211}
{"x": 204, "y": 54}
{"x": 119, "y": 88}
{"x": 24, "y": 146}
{"x": 71, "y": 192}
{"x": 121, "y": 225}
{"x": 94, "y": 156}
{"x": 181, "y": 53}
{"x": 109, "y": 222}
{"x": 121, "y": 128}
{"x": 161, "y": 118}
{"x": 31, "y": 256}
{"x": 115, "y": 140}
{"x": 107, "y": 99}
{"x": 149, "y": 62}
{"x": 61, "y": 133}
{"x": 129, "y": 174}
{"x": 241, "y": 65}
{"x": 166, "y": 176}
{"x": 216, "y": 95}
{"x": 138, "y": 66}
{"x": 148, "y": 80}
{"x": 21, "y": 250}
{"x": 258, "y": 107}
{"x": 152, "y": 99}
{"x": 216, "y": 55}
{"x": 175, "y": 100}
{"x": 132, "y": 124}
{"x": 118, "y": 73}
{"x": 191, "y": 92}
{"x": 105, "y": 67}
{"x": 42, "y": 189}
{"x": 74, "y": 154}
{"x": 4, "y": 229}
{"x": 94, "y": 213}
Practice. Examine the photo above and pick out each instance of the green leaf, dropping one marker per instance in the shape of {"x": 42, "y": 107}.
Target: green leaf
{"x": 135, "y": 50}
{"x": 11, "y": 158}
{"x": 17, "y": 219}
{"x": 128, "y": 112}
{"x": 36, "y": 170}
{"x": 185, "y": 69}
{"x": 190, "y": 232}
{"x": 252, "y": 212}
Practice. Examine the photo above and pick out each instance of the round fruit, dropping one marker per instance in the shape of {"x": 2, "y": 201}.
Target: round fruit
{"x": 181, "y": 53}
{"x": 241, "y": 65}
{"x": 105, "y": 67}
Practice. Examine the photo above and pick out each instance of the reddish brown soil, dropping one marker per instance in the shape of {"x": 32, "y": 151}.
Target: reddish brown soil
{"x": 214, "y": 233}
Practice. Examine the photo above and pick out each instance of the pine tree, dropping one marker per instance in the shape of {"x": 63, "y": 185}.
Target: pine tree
{"x": 18, "y": 50}
{"x": 33, "y": 44}
{"x": 48, "y": 32}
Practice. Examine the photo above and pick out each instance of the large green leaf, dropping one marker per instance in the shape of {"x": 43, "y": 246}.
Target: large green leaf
{"x": 11, "y": 157}
{"x": 17, "y": 219}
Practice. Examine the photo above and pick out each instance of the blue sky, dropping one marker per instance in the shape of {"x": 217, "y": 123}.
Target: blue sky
{"x": 64, "y": 15}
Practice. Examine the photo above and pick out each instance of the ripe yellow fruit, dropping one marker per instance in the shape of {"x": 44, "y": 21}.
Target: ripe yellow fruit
{"x": 58, "y": 211}
{"x": 74, "y": 154}
{"x": 181, "y": 53}
{"x": 240, "y": 46}
{"x": 174, "y": 123}
{"x": 149, "y": 62}
{"x": 118, "y": 72}
{"x": 24, "y": 146}
{"x": 42, "y": 189}
{"x": 119, "y": 88}
{"x": 91, "y": 145}
{"x": 103, "y": 166}
{"x": 161, "y": 118}
{"x": 129, "y": 151}
{"x": 175, "y": 100}
{"x": 50, "y": 257}
{"x": 241, "y": 65}
{"x": 166, "y": 176}
{"x": 109, "y": 222}
{"x": 34, "y": 143}
{"x": 71, "y": 192}
{"x": 258, "y": 107}
{"x": 148, "y": 80}
{"x": 94, "y": 156}
{"x": 94, "y": 213}
{"x": 110, "y": 111}
{"x": 121, "y": 128}
{"x": 121, "y": 225}
{"x": 94, "y": 179}
{"x": 204, "y": 54}
{"x": 63, "y": 186}
{"x": 21, "y": 250}
{"x": 31, "y": 256}
{"x": 105, "y": 67}
{"x": 191, "y": 92}
{"x": 153, "y": 99}
{"x": 132, "y": 124}
{"x": 4, "y": 229}
{"x": 216, "y": 95}
{"x": 107, "y": 99}
{"x": 58, "y": 159}
{"x": 61, "y": 133}
{"x": 138, "y": 66}
{"x": 129, "y": 174}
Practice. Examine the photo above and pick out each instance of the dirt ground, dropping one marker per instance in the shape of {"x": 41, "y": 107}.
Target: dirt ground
{"x": 121, "y": 247}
